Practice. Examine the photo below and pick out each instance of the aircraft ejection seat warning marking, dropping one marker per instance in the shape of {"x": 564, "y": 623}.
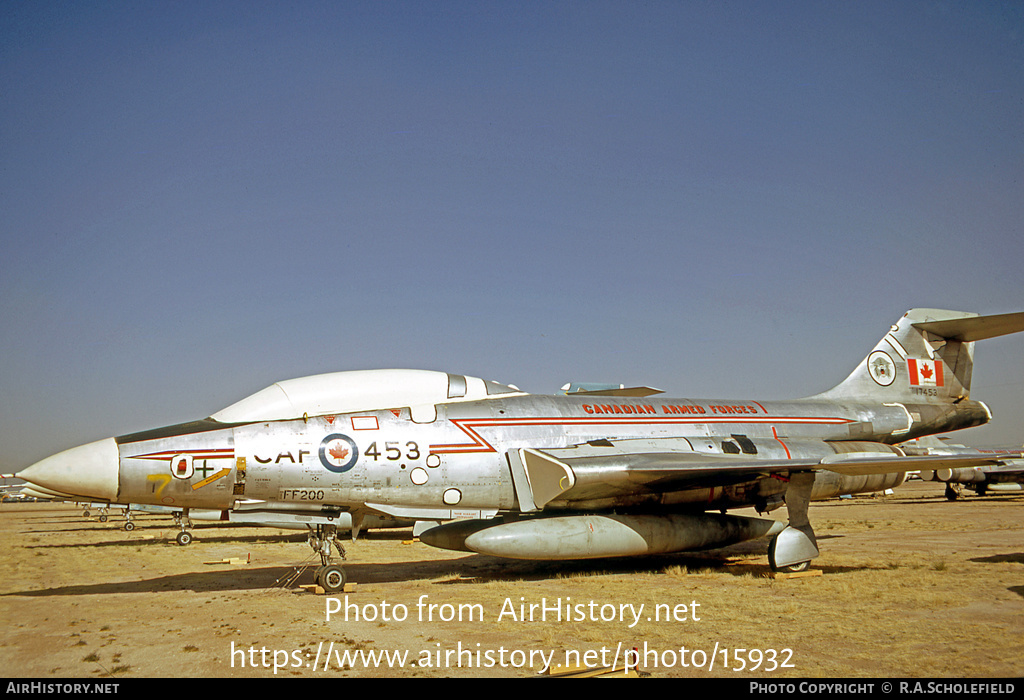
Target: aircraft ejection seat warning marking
{"x": 338, "y": 453}
{"x": 211, "y": 479}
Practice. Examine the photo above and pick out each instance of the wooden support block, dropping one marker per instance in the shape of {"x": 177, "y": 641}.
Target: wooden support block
{"x": 577, "y": 671}
{"x": 319, "y": 590}
{"x": 797, "y": 574}
{"x": 233, "y": 561}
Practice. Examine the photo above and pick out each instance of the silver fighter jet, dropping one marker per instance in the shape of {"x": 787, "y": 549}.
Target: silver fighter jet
{"x": 606, "y": 473}
{"x": 1002, "y": 472}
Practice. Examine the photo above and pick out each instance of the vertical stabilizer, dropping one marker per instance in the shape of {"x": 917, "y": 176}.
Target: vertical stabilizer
{"x": 926, "y": 357}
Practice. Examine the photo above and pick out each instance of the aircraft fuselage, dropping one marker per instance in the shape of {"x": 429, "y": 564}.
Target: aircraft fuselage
{"x": 452, "y": 456}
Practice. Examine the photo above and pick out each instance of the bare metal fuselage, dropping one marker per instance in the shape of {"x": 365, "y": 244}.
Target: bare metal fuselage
{"x": 450, "y": 460}
{"x": 604, "y": 473}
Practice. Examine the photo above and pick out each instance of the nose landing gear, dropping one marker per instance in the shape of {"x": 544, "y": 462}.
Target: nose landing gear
{"x": 184, "y": 522}
{"x": 331, "y": 577}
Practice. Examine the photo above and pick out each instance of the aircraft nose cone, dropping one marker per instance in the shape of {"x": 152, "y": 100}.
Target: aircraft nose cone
{"x": 88, "y": 470}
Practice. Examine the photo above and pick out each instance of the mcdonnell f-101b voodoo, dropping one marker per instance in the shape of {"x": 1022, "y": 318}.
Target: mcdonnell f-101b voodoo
{"x": 1002, "y": 472}
{"x": 585, "y": 474}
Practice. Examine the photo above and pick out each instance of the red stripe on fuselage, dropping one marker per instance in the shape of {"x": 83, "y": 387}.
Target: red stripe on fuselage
{"x": 168, "y": 455}
{"x": 776, "y": 436}
{"x": 470, "y": 426}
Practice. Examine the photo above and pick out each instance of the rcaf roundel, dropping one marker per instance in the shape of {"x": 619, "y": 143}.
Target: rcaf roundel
{"x": 338, "y": 453}
{"x": 925, "y": 372}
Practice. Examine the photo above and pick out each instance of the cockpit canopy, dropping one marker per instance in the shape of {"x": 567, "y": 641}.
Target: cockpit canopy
{"x": 367, "y": 390}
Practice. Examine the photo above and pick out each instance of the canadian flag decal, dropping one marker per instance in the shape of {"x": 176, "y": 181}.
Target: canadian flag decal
{"x": 925, "y": 372}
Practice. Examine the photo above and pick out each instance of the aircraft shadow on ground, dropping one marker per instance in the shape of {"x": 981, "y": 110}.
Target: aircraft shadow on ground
{"x": 462, "y": 570}
{"x": 1014, "y": 558}
{"x": 470, "y": 569}
{"x": 235, "y": 578}
{"x": 202, "y": 534}
{"x": 267, "y": 538}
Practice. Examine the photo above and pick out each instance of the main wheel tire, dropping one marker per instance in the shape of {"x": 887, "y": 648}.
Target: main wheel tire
{"x": 795, "y": 568}
{"x": 792, "y": 568}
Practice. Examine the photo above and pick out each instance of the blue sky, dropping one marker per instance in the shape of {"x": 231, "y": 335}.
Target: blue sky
{"x": 720, "y": 199}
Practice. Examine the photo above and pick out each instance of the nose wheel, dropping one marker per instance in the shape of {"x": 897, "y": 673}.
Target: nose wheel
{"x": 329, "y": 576}
{"x": 184, "y": 537}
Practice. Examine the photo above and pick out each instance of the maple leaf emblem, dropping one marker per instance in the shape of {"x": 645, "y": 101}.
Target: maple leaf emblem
{"x": 926, "y": 371}
{"x": 339, "y": 452}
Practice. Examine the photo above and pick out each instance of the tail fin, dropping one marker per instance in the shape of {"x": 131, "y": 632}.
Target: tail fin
{"x": 927, "y": 357}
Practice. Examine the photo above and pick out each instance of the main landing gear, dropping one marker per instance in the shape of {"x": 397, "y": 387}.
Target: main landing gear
{"x": 793, "y": 548}
{"x": 788, "y": 545}
{"x": 331, "y": 577}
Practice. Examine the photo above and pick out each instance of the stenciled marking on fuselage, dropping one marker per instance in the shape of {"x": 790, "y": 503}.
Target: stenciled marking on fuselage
{"x": 209, "y": 480}
{"x": 470, "y": 425}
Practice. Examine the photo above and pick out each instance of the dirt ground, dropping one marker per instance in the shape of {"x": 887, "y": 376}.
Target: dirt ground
{"x": 911, "y": 586}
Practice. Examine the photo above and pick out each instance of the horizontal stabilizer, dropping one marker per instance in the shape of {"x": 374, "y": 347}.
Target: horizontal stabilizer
{"x": 972, "y": 328}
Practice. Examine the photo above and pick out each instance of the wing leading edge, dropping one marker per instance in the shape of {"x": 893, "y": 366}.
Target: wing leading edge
{"x": 583, "y": 474}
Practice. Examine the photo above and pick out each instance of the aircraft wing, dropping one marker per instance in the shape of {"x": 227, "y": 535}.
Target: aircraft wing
{"x": 584, "y": 473}
{"x": 1006, "y": 468}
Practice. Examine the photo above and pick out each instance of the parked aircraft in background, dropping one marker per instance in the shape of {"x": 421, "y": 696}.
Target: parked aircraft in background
{"x": 1006, "y": 474}
{"x": 577, "y": 475}
{"x": 245, "y": 513}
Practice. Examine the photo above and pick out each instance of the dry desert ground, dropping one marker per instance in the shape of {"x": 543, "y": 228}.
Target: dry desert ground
{"x": 911, "y": 586}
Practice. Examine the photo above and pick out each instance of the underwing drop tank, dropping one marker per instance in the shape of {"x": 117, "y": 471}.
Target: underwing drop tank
{"x": 598, "y": 536}
{"x": 961, "y": 475}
